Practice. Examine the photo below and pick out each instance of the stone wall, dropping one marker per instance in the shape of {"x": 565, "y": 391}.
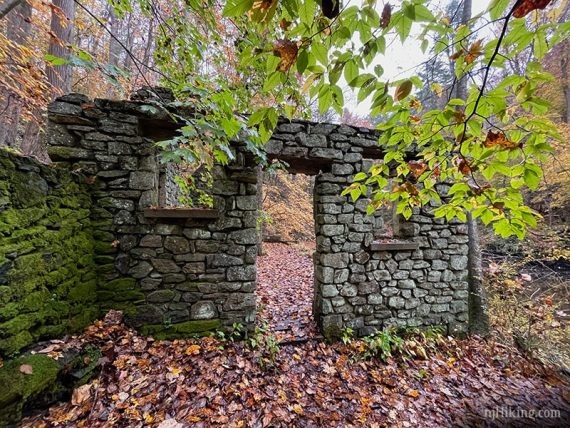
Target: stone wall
{"x": 172, "y": 276}
{"x": 47, "y": 266}
{"x": 176, "y": 274}
{"x": 361, "y": 283}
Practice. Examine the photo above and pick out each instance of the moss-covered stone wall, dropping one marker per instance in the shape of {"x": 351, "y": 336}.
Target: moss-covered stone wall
{"x": 47, "y": 269}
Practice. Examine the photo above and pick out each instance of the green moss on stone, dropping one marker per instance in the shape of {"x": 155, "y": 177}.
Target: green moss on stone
{"x": 14, "y": 343}
{"x": 84, "y": 291}
{"x": 120, "y": 284}
{"x": 179, "y": 330}
{"x": 120, "y": 296}
{"x": 18, "y": 387}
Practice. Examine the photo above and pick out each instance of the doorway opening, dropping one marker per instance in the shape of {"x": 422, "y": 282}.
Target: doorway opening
{"x": 285, "y": 286}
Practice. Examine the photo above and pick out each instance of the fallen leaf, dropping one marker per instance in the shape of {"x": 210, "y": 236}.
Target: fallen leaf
{"x": 193, "y": 350}
{"x": 26, "y": 369}
{"x": 81, "y": 394}
{"x": 413, "y": 393}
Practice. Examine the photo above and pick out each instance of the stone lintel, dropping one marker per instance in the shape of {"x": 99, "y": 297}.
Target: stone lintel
{"x": 181, "y": 213}
{"x": 394, "y": 246}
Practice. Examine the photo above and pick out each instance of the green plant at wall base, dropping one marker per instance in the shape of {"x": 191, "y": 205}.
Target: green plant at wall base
{"x": 264, "y": 345}
{"x": 347, "y": 335}
{"x": 407, "y": 343}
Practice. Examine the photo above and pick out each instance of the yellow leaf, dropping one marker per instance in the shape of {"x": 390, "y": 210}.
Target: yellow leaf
{"x": 298, "y": 409}
{"x": 309, "y": 82}
{"x": 437, "y": 89}
{"x": 193, "y": 350}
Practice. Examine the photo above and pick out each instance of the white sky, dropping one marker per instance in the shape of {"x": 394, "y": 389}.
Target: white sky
{"x": 400, "y": 60}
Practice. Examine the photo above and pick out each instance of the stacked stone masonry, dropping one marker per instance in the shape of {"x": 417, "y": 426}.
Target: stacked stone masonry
{"x": 184, "y": 276}
{"x": 48, "y": 280}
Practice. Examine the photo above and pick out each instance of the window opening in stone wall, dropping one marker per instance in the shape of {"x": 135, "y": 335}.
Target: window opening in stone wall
{"x": 285, "y": 289}
{"x": 183, "y": 185}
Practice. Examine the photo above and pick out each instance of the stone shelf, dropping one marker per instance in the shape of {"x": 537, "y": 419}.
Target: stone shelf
{"x": 394, "y": 246}
{"x": 181, "y": 213}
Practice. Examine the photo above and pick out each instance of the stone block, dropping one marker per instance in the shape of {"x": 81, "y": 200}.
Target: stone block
{"x": 161, "y": 296}
{"x": 203, "y": 310}
{"x": 335, "y": 260}
{"x": 242, "y": 273}
{"x": 176, "y": 244}
{"x": 329, "y": 290}
{"x": 396, "y": 302}
{"x": 142, "y": 180}
{"x": 165, "y": 266}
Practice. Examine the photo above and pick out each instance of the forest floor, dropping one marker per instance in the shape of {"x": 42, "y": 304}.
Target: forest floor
{"x": 285, "y": 290}
{"x": 255, "y": 383}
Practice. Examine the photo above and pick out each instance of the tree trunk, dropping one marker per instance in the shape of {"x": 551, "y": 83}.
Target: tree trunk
{"x": 478, "y": 318}
{"x": 17, "y": 30}
{"x": 114, "y": 46}
{"x": 7, "y": 6}
{"x": 478, "y": 314}
{"x": 564, "y": 64}
{"x": 461, "y": 91}
{"x": 59, "y": 76}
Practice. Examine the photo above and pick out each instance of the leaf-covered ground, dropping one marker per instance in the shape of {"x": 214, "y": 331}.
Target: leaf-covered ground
{"x": 206, "y": 382}
{"x": 285, "y": 291}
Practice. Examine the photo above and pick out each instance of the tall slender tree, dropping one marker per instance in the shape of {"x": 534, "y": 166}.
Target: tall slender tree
{"x": 62, "y": 24}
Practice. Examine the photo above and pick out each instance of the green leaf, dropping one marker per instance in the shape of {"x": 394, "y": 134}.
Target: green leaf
{"x": 350, "y": 71}
{"x": 319, "y": 50}
{"x": 360, "y": 176}
{"x": 540, "y": 45}
{"x": 302, "y": 61}
{"x": 307, "y": 10}
{"x": 531, "y": 177}
{"x": 236, "y": 7}
{"x": 54, "y": 60}
{"x": 497, "y": 8}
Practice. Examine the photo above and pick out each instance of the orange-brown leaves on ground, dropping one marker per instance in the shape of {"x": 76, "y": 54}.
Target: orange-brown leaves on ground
{"x": 386, "y": 15}
{"x": 528, "y": 6}
{"x": 193, "y": 350}
{"x": 417, "y": 167}
{"x": 498, "y": 139}
{"x": 287, "y": 51}
{"x": 474, "y": 51}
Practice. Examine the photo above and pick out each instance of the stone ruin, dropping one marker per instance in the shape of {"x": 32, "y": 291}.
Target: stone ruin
{"x": 180, "y": 272}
